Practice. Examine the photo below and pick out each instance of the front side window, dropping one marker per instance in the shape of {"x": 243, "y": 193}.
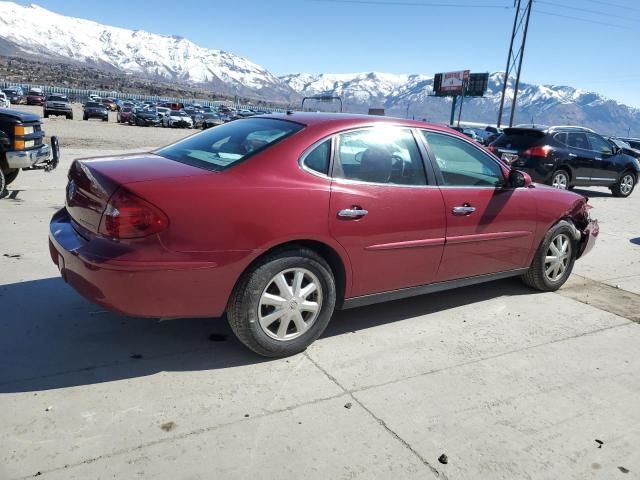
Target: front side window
{"x": 599, "y": 144}
{"x": 221, "y": 147}
{"x": 382, "y": 154}
{"x": 462, "y": 164}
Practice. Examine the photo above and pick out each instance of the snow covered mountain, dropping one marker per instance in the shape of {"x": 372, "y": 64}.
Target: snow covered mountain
{"x": 399, "y": 94}
{"x": 35, "y": 32}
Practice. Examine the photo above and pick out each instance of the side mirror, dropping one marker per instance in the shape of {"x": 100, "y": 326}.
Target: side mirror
{"x": 518, "y": 179}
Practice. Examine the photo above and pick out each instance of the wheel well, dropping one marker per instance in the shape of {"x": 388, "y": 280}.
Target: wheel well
{"x": 326, "y": 252}
{"x": 565, "y": 169}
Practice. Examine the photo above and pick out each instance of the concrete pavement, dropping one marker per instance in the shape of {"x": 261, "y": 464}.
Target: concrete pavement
{"x": 507, "y": 382}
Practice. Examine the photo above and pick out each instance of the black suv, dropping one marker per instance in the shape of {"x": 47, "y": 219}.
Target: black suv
{"x": 566, "y": 157}
{"x": 632, "y": 142}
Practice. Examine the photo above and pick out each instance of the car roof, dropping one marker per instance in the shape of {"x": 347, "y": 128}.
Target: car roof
{"x": 350, "y": 120}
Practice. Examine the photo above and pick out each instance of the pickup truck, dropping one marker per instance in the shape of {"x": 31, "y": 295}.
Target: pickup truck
{"x": 22, "y": 146}
{"x": 58, "y": 105}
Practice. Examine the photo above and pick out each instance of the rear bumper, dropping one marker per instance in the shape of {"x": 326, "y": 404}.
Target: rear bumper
{"x": 154, "y": 289}
{"x": 588, "y": 238}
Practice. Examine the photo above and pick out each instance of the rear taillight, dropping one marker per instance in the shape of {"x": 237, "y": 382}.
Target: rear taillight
{"x": 129, "y": 216}
{"x": 542, "y": 151}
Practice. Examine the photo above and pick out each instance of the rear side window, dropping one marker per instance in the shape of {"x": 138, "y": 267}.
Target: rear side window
{"x": 519, "y": 138}
{"x": 318, "y": 159}
{"x": 577, "y": 140}
{"x": 221, "y": 147}
{"x": 561, "y": 137}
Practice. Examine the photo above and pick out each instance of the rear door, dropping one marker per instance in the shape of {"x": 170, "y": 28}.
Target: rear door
{"x": 490, "y": 227}
{"x": 383, "y": 210}
{"x": 581, "y": 157}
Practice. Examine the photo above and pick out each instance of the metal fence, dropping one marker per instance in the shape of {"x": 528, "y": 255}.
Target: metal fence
{"x": 81, "y": 95}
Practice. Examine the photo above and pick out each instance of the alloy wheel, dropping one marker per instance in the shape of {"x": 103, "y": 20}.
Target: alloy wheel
{"x": 558, "y": 257}
{"x": 626, "y": 184}
{"x": 560, "y": 180}
{"x": 290, "y": 304}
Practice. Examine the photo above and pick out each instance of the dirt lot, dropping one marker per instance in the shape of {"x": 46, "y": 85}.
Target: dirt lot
{"x": 506, "y": 382}
{"x": 78, "y": 133}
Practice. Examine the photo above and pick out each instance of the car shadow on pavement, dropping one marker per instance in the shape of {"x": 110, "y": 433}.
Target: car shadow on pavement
{"x": 50, "y": 337}
{"x": 351, "y": 320}
{"x": 592, "y": 193}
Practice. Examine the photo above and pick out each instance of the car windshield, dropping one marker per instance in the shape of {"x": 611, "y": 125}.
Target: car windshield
{"x": 33, "y": 94}
{"x": 126, "y": 109}
{"x": 92, "y": 104}
{"x": 57, "y": 98}
{"x": 179, "y": 114}
{"x": 220, "y": 148}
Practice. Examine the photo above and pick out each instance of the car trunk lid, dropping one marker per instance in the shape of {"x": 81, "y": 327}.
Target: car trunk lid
{"x": 92, "y": 182}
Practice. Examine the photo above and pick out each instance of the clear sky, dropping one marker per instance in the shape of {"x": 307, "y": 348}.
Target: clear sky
{"x": 590, "y": 44}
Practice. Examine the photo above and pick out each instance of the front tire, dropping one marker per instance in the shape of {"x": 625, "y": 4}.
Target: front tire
{"x": 624, "y": 186}
{"x": 554, "y": 259}
{"x": 283, "y": 303}
{"x": 10, "y": 176}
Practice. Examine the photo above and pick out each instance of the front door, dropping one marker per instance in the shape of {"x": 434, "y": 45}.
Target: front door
{"x": 383, "y": 212}
{"x": 604, "y": 169}
{"x": 490, "y": 227}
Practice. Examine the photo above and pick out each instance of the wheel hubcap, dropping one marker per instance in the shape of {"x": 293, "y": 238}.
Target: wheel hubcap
{"x": 558, "y": 257}
{"x": 290, "y": 304}
{"x": 560, "y": 181}
{"x": 626, "y": 185}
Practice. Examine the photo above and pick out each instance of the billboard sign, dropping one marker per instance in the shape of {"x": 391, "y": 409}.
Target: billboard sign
{"x": 454, "y": 82}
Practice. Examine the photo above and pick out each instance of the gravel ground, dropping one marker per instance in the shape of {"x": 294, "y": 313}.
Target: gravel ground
{"x": 94, "y": 133}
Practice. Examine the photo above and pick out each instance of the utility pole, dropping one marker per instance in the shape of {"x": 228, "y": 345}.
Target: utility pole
{"x": 515, "y": 55}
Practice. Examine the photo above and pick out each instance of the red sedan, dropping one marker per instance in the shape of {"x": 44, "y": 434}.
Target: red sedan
{"x": 36, "y": 98}
{"x": 278, "y": 220}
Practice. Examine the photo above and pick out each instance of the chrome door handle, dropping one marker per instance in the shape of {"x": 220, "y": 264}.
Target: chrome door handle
{"x": 464, "y": 210}
{"x": 573, "y": 155}
{"x": 352, "y": 213}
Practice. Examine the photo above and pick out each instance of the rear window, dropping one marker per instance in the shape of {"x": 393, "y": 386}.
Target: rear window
{"x": 57, "y": 98}
{"x": 221, "y": 147}
{"x": 92, "y": 104}
{"x": 518, "y": 139}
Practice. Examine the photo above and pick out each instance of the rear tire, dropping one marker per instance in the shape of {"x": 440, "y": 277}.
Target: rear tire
{"x": 3, "y": 185}
{"x": 46, "y": 114}
{"x": 70, "y": 116}
{"x": 542, "y": 274}
{"x": 85, "y": 117}
{"x": 624, "y": 186}
{"x": 260, "y": 294}
{"x": 560, "y": 179}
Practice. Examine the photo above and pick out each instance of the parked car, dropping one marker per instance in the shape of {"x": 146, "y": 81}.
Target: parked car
{"x": 56, "y": 104}
{"x": 177, "y": 119}
{"x": 95, "y": 110}
{"x": 4, "y": 101}
{"x": 632, "y": 142}
{"x": 35, "y": 97}
{"x": 196, "y": 116}
{"x": 566, "y": 157}
{"x": 162, "y": 112}
{"x": 14, "y": 94}
{"x": 95, "y": 98}
{"x": 109, "y": 104}
{"x": 124, "y": 114}
{"x": 624, "y": 146}
{"x": 144, "y": 117}
{"x": 360, "y": 226}
{"x": 172, "y": 105}
{"x": 211, "y": 120}
{"x": 22, "y": 146}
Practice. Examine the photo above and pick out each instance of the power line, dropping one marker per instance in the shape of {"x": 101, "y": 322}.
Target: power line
{"x": 624, "y": 27}
{"x": 586, "y": 10}
{"x": 611, "y": 4}
{"x": 417, "y": 4}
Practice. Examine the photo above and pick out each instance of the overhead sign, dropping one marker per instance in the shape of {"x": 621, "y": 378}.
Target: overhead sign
{"x": 454, "y": 82}
{"x": 458, "y": 83}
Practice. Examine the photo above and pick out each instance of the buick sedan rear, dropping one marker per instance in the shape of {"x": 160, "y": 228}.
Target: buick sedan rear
{"x": 278, "y": 220}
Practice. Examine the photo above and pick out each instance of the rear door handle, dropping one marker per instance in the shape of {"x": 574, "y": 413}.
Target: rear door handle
{"x": 573, "y": 155}
{"x": 354, "y": 212}
{"x": 463, "y": 210}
